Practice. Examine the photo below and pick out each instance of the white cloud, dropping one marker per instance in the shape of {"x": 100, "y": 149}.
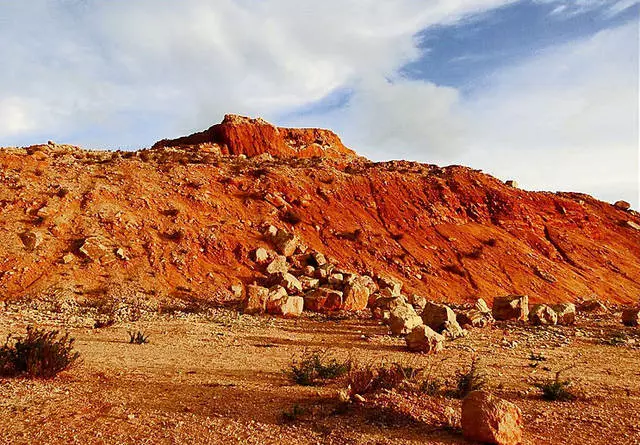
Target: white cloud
{"x": 192, "y": 61}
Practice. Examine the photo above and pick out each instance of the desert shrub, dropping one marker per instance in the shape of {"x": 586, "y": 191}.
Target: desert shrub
{"x": 293, "y": 414}
{"x": 367, "y": 379}
{"x": 39, "y": 354}
{"x": 430, "y": 384}
{"x": 556, "y": 389}
{"x": 472, "y": 380}
{"x": 311, "y": 367}
{"x": 138, "y": 337}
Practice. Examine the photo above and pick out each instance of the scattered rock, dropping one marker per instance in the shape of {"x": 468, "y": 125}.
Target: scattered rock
{"x": 382, "y": 307}
{"x": 286, "y": 306}
{"x": 68, "y": 258}
{"x": 403, "y": 319}
{"x": 278, "y": 265}
{"x": 436, "y": 315}
{"x": 473, "y": 318}
{"x": 482, "y": 306}
{"x": 261, "y": 255}
{"x": 566, "y": 313}
{"x": 511, "y": 183}
{"x": 541, "y": 314}
{"x": 393, "y": 284}
{"x": 121, "y": 254}
{"x": 290, "y": 283}
{"x": 94, "y": 249}
{"x": 631, "y": 317}
{"x": 418, "y": 302}
{"x": 512, "y": 307}
{"x": 308, "y": 283}
{"x": 286, "y": 243}
{"x": 336, "y": 279}
{"x": 31, "y": 240}
{"x": 452, "y": 330}
{"x": 592, "y": 305}
{"x": 319, "y": 259}
{"x": 424, "y": 339}
{"x": 632, "y": 225}
{"x": 489, "y": 419}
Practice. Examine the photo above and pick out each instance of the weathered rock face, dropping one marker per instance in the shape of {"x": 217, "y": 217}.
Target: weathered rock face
{"x": 513, "y": 307}
{"x": 631, "y": 317}
{"x": 238, "y": 135}
{"x": 356, "y": 296}
{"x": 542, "y": 314}
{"x": 189, "y": 217}
{"x": 324, "y": 300}
{"x": 424, "y": 339}
{"x": 489, "y": 419}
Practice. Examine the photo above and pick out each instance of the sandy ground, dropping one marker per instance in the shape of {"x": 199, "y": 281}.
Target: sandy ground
{"x": 219, "y": 379}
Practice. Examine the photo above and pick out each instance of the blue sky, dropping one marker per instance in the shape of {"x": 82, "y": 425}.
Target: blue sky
{"x": 543, "y": 91}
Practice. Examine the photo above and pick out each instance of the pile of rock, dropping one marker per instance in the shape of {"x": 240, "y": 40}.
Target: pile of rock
{"x": 516, "y": 307}
{"x": 298, "y": 278}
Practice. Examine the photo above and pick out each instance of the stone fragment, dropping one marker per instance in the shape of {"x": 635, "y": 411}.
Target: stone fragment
{"x": 632, "y": 225}
{"x": 482, "y": 306}
{"x": 94, "y": 249}
{"x": 511, "y": 307}
{"x": 286, "y": 243}
{"x": 31, "y": 240}
{"x": 383, "y": 306}
{"x": 418, "y": 302}
{"x": 490, "y": 419}
{"x": 592, "y": 305}
{"x": 452, "y": 330}
{"x": 308, "y": 283}
{"x": 424, "y": 339}
{"x": 511, "y": 183}
{"x": 403, "y": 319}
{"x": 474, "y": 318}
{"x": 393, "y": 284}
{"x": 319, "y": 259}
{"x": 287, "y": 306}
{"x": 566, "y": 313}
{"x": 631, "y": 317}
{"x": 543, "y": 315}
{"x": 290, "y": 283}
{"x": 336, "y": 278}
{"x": 121, "y": 254}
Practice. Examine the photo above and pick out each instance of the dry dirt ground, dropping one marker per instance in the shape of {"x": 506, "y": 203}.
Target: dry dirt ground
{"x": 218, "y": 378}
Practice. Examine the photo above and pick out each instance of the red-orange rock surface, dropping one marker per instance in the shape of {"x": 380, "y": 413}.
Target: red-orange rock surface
{"x": 181, "y": 219}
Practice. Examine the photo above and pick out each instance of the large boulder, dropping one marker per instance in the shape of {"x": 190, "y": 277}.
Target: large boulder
{"x": 511, "y": 307}
{"x": 592, "y": 305}
{"x": 356, "y": 296}
{"x": 473, "y": 318}
{"x": 436, "y": 315}
{"x": 490, "y": 419}
{"x": 631, "y": 317}
{"x": 382, "y": 307}
{"x": 566, "y": 313}
{"x": 482, "y": 306}
{"x": 543, "y": 315}
{"x": 403, "y": 319}
{"x": 323, "y": 299}
{"x": 256, "y": 300}
{"x": 424, "y": 339}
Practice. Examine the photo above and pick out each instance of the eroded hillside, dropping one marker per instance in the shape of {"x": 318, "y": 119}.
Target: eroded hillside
{"x": 182, "y": 219}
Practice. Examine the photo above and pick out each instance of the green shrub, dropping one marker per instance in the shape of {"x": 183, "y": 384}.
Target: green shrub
{"x": 40, "y": 354}
{"x": 556, "y": 389}
{"x": 472, "y": 380}
{"x": 138, "y": 337}
{"x": 315, "y": 366}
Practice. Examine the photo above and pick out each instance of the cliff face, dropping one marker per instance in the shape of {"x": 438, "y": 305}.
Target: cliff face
{"x": 182, "y": 219}
{"x": 238, "y": 135}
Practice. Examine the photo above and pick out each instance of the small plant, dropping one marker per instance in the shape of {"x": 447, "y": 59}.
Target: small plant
{"x": 473, "y": 380}
{"x": 367, "y": 379}
{"x": 536, "y": 358}
{"x": 556, "y": 389}
{"x": 430, "y": 384}
{"x": 312, "y": 367}
{"x": 138, "y": 337}
{"x": 293, "y": 414}
{"x": 40, "y": 354}
{"x": 616, "y": 339}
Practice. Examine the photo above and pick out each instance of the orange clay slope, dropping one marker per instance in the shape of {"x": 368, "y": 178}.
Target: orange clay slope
{"x": 182, "y": 219}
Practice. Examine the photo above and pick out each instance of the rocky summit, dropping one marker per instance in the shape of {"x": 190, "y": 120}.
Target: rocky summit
{"x": 184, "y": 217}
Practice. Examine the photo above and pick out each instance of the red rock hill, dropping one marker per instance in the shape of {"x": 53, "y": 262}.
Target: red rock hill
{"x": 182, "y": 219}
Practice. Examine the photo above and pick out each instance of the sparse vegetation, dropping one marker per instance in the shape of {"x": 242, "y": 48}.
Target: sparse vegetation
{"x": 556, "y": 389}
{"x": 293, "y": 414}
{"x": 312, "y": 367}
{"x": 536, "y": 358}
{"x": 138, "y": 337}
{"x": 39, "y": 354}
{"x": 472, "y": 380}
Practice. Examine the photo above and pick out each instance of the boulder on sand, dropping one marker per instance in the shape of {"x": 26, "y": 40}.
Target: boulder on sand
{"x": 490, "y": 419}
